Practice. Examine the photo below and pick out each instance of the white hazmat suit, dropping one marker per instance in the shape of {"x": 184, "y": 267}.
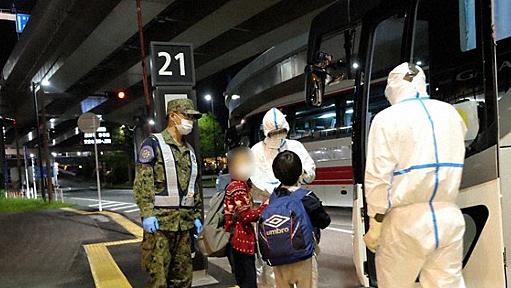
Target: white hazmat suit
{"x": 265, "y": 151}
{"x": 413, "y": 173}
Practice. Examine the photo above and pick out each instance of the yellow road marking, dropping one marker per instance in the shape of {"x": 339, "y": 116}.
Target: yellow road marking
{"x": 77, "y": 211}
{"x": 127, "y": 224}
{"x": 131, "y": 227}
{"x": 122, "y": 242}
{"x": 105, "y": 271}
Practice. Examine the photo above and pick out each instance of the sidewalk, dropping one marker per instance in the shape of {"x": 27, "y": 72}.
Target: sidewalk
{"x": 65, "y": 248}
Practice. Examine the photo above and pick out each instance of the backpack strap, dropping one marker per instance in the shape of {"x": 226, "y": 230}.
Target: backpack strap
{"x": 300, "y": 193}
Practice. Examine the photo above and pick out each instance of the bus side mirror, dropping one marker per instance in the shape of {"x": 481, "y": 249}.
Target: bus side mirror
{"x": 337, "y": 71}
{"x": 322, "y": 72}
{"x": 315, "y": 78}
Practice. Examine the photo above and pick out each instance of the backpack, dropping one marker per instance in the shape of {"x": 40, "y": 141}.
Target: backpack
{"x": 213, "y": 240}
{"x": 285, "y": 232}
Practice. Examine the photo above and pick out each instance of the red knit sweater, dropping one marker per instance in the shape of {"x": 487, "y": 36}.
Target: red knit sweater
{"x": 238, "y": 202}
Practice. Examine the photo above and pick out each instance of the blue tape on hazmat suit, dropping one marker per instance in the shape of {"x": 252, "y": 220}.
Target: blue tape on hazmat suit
{"x": 265, "y": 151}
{"x": 276, "y": 128}
{"x": 413, "y": 173}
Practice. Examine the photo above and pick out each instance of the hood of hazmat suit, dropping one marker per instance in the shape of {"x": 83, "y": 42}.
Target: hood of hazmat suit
{"x": 266, "y": 150}
{"x": 405, "y": 83}
{"x": 274, "y": 120}
{"x": 413, "y": 172}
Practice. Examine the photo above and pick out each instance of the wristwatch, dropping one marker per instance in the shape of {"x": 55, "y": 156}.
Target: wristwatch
{"x": 379, "y": 217}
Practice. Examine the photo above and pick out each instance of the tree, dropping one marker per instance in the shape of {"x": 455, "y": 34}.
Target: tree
{"x": 211, "y": 136}
{"x": 121, "y": 160}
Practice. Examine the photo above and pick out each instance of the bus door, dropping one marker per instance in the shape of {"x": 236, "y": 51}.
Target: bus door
{"x": 452, "y": 42}
{"x": 381, "y": 50}
{"x": 503, "y": 34}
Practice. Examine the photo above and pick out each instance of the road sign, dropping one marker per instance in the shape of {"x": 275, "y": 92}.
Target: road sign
{"x": 102, "y": 137}
{"x": 172, "y": 64}
{"x": 21, "y": 21}
{"x": 88, "y": 122}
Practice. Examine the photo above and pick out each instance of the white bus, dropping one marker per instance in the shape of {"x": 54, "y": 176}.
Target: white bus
{"x": 464, "y": 47}
{"x": 325, "y": 131}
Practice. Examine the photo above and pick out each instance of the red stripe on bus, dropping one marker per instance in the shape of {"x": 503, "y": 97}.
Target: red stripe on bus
{"x": 334, "y": 173}
{"x": 331, "y": 182}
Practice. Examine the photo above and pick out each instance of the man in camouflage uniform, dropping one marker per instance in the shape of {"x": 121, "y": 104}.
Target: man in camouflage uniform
{"x": 166, "y": 248}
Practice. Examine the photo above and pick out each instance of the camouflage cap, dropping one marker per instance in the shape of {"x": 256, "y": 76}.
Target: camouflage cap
{"x": 184, "y": 106}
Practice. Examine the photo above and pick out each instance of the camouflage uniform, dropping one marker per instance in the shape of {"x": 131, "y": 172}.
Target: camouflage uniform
{"x": 166, "y": 254}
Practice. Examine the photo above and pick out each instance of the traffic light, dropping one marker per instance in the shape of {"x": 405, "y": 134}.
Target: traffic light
{"x": 121, "y": 95}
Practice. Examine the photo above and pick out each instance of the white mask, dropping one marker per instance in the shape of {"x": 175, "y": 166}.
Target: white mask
{"x": 185, "y": 127}
{"x": 275, "y": 141}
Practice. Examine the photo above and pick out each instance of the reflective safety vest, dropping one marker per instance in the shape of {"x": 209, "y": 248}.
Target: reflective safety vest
{"x": 173, "y": 196}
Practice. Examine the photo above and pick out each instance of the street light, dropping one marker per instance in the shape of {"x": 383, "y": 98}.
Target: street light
{"x": 151, "y": 122}
{"x": 45, "y": 83}
{"x": 209, "y": 99}
{"x": 235, "y": 97}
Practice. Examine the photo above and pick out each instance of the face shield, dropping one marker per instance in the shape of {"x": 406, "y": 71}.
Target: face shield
{"x": 276, "y": 138}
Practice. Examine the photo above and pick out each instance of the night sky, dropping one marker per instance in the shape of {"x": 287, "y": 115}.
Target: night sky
{"x": 215, "y": 85}
{"x": 9, "y": 38}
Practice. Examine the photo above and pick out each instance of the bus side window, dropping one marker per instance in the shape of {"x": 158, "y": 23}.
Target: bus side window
{"x": 452, "y": 65}
{"x": 342, "y": 46}
{"x": 386, "y": 54}
{"x": 467, "y": 24}
{"x": 503, "y": 27}
{"x": 312, "y": 123}
{"x": 502, "y": 18}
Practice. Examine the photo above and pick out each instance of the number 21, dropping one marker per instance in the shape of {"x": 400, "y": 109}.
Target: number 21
{"x": 180, "y": 57}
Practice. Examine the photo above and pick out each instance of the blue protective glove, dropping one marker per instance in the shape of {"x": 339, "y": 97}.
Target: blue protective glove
{"x": 151, "y": 224}
{"x": 198, "y": 226}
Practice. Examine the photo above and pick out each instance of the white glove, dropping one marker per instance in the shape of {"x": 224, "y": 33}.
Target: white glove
{"x": 372, "y": 237}
{"x": 301, "y": 179}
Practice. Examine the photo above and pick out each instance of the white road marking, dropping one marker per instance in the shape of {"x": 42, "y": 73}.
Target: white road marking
{"x": 110, "y": 205}
{"x": 102, "y": 203}
{"x": 133, "y": 210}
{"x": 115, "y": 205}
{"x": 126, "y": 205}
{"x": 86, "y": 199}
{"x": 340, "y": 230}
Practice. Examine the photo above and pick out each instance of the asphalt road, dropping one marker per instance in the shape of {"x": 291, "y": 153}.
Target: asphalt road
{"x": 335, "y": 261}
{"x": 44, "y": 249}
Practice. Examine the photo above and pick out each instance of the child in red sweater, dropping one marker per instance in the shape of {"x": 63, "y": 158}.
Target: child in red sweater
{"x": 239, "y": 214}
